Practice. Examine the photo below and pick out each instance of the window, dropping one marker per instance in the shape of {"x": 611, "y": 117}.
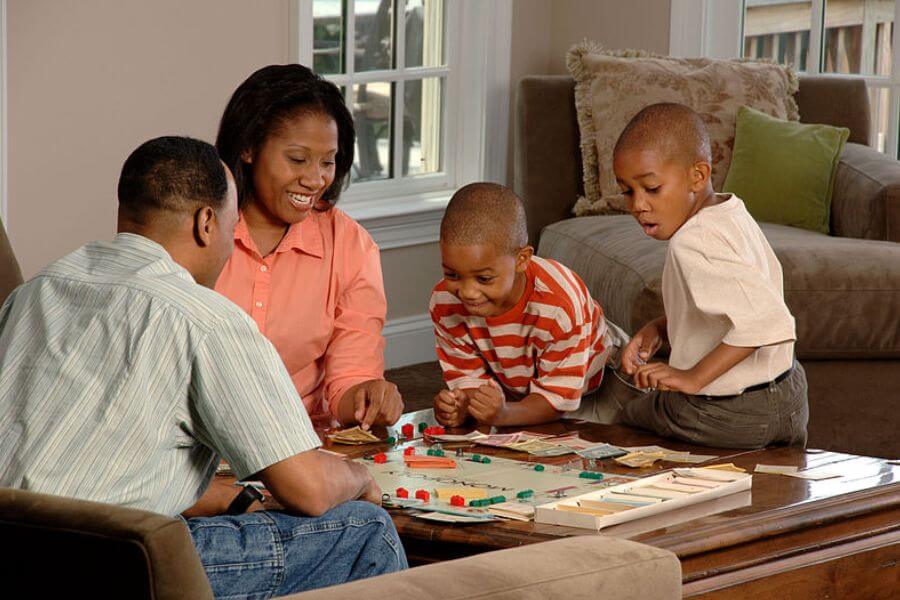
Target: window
{"x": 401, "y": 65}
{"x": 839, "y": 37}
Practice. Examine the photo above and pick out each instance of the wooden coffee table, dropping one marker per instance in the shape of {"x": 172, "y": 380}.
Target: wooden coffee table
{"x": 834, "y": 538}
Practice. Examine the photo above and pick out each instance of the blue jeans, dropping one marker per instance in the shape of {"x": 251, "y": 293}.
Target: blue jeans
{"x": 272, "y": 553}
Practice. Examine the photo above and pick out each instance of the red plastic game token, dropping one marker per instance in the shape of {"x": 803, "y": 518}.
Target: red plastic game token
{"x": 409, "y": 451}
{"x": 380, "y": 458}
{"x": 402, "y": 493}
{"x": 457, "y": 501}
{"x": 423, "y": 495}
{"x": 407, "y": 430}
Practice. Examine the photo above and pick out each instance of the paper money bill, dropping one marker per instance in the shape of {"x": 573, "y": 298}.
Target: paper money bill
{"x": 639, "y": 459}
{"x": 600, "y": 451}
{"x": 354, "y": 436}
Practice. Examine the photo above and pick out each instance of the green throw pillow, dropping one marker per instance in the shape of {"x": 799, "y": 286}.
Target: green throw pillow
{"x": 784, "y": 170}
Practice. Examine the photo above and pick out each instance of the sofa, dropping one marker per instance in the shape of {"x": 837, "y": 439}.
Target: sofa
{"x": 10, "y": 274}
{"x": 843, "y": 289}
{"x": 61, "y": 547}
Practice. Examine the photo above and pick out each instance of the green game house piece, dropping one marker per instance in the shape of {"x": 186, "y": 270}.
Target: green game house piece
{"x": 391, "y": 440}
{"x": 590, "y": 475}
{"x": 422, "y": 426}
{"x": 497, "y": 499}
{"x": 538, "y": 468}
{"x": 476, "y": 457}
{"x": 525, "y": 494}
{"x": 485, "y": 460}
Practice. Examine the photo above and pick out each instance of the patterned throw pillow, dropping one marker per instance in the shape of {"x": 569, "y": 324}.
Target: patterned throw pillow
{"x": 613, "y": 86}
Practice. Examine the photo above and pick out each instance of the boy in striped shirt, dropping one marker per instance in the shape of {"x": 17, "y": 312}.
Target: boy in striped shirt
{"x": 519, "y": 337}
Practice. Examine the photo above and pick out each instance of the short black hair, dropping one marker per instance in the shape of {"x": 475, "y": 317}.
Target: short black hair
{"x": 171, "y": 173}
{"x": 263, "y": 103}
{"x": 674, "y": 130}
{"x": 485, "y": 213}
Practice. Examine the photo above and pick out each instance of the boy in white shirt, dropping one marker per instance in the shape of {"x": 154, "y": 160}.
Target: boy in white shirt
{"x": 731, "y": 379}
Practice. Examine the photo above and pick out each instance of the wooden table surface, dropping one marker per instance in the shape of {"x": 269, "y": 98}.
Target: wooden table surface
{"x": 833, "y": 538}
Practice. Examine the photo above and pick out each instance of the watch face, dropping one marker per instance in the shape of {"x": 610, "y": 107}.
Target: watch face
{"x": 258, "y": 495}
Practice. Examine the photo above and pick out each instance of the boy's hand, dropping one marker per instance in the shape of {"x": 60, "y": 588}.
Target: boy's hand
{"x": 486, "y": 404}
{"x": 661, "y": 376}
{"x": 642, "y": 346}
{"x": 451, "y": 408}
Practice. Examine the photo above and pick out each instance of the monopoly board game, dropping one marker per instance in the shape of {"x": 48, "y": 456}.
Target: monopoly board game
{"x": 476, "y": 482}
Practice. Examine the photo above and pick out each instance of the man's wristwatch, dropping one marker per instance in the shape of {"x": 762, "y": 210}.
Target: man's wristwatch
{"x": 247, "y": 496}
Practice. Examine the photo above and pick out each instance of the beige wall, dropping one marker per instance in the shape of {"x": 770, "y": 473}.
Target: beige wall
{"x": 89, "y": 80}
{"x": 409, "y": 275}
{"x": 544, "y": 30}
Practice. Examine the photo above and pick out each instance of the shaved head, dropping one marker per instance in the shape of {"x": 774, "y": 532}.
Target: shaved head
{"x": 673, "y": 130}
{"x": 485, "y": 213}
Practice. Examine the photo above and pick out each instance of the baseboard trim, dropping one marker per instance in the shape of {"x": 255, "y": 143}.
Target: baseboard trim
{"x": 409, "y": 340}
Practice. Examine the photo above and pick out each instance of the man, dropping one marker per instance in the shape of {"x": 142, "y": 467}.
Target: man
{"x": 123, "y": 381}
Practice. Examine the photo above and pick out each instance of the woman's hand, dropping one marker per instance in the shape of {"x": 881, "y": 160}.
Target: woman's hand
{"x": 643, "y": 345}
{"x": 451, "y": 408}
{"x": 373, "y": 402}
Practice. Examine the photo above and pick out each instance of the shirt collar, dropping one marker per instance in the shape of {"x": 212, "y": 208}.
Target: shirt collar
{"x": 305, "y": 237}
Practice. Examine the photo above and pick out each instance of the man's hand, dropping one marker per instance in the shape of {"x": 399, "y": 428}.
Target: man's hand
{"x": 451, "y": 408}
{"x": 486, "y": 404}
{"x": 643, "y": 345}
{"x": 372, "y": 493}
{"x": 373, "y": 402}
{"x": 661, "y": 376}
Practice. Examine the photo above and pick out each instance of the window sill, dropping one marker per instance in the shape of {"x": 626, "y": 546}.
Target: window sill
{"x": 399, "y": 222}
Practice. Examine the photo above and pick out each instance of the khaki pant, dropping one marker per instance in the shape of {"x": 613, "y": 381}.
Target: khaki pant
{"x": 775, "y": 415}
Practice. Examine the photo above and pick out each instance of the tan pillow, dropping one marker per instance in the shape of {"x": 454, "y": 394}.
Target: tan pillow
{"x": 613, "y": 86}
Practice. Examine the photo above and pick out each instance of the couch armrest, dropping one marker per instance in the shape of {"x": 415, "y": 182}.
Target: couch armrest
{"x": 866, "y": 199}
{"x": 10, "y": 275}
{"x": 580, "y": 566}
{"x": 112, "y": 551}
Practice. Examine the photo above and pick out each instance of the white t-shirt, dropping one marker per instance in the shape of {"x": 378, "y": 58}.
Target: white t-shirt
{"x": 722, "y": 283}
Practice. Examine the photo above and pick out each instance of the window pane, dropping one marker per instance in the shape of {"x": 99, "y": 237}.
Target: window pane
{"x": 858, "y": 36}
{"x": 422, "y": 122}
{"x": 372, "y": 110}
{"x": 328, "y": 37}
{"x": 777, "y": 30}
{"x": 424, "y": 33}
{"x": 374, "y": 35}
{"x": 879, "y": 99}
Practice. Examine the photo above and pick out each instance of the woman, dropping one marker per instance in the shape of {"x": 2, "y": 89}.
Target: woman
{"x": 307, "y": 273}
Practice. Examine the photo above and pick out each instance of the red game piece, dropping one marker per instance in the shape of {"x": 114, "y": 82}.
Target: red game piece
{"x": 402, "y": 493}
{"x": 439, "y": 430}
{"x": 380, "y": 458}
{"x": 407, "y": 430}
{"x": 457, "y": 501}
{"x": 423, "y": 495}
{"x": 409, "y": 451}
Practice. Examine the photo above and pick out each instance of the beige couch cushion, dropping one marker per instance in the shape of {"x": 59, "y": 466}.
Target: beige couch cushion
{"x": 612, "y": 87}
{"x": 843, "y": 292}
{"x": 584, "y": 566}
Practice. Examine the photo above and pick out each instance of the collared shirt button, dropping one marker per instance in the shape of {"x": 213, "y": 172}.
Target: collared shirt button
{"x": 263, "y": 268}
{"x": 259, "y": 304}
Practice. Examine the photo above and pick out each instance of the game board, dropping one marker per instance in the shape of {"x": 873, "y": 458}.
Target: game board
{"x": 516, "y": 481}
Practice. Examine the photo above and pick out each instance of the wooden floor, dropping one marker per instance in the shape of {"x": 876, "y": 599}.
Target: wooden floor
{"x": 418, "y": 384}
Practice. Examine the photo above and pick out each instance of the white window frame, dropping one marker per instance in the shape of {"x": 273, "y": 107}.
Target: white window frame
{"x": 405, "y": 211}
{"x": 714, "y": 28}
